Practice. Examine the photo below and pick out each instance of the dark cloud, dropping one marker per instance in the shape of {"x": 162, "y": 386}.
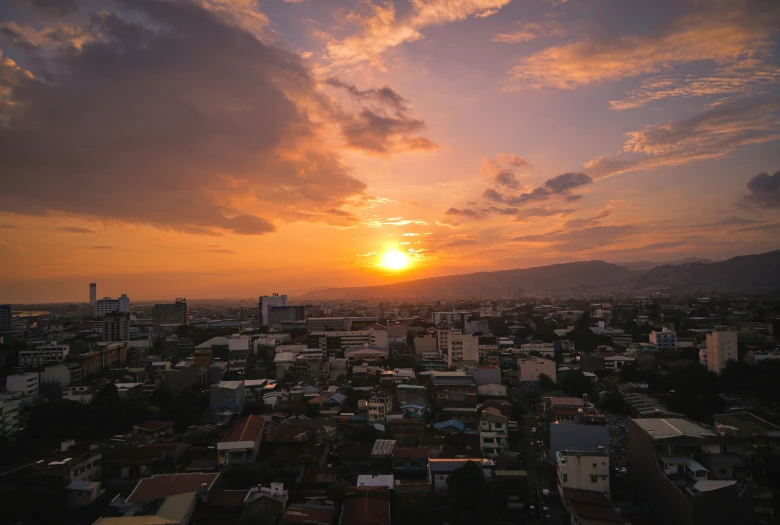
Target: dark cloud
{"x": 57, "y": 7}
{"x": 560, "y": 185}
{"x": 464, "y": 212}
{"x": 462, "y": 242}
{"x": 587, "y": 221}
{"x": 764, "y": 190}
{"x": 383, "y": 124}
{"x": 174, "y": 118}
{"x": 506, "y": 179}
{"x": 75, "y": 229}
{"x": 103, "y": 247}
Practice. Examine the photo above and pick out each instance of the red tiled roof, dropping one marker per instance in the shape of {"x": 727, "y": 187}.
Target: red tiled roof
{"x": 164, "y": 485}
{"x": 248, "y": 429}
{"x": 366, "y": 506}
{"x": 411, "y": 453}
{"x": 153, "y": 425}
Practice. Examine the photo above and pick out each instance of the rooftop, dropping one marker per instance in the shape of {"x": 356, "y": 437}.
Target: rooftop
{"x": 366, "y": 506}
{"x": 248, "y": 429}
{"x": 164, "y": 485}
{"x": 661, "y": 428}
{"x": 154, "y": 425}
{"x": 383, "y": 447}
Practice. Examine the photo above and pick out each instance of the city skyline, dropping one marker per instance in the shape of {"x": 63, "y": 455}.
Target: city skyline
{"x": 355, "y": 143}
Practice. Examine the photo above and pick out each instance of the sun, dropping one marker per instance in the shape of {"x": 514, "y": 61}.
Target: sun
{"x": 394, "y": 260}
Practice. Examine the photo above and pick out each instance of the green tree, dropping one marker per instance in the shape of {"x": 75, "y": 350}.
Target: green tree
{"x": 468, "y": 497}
{"x": 575, "y": 384}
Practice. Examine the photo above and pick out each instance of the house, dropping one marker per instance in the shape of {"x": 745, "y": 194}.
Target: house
{"x": 407, "y": 394}
{"x": 589, "y": 507}
{"x": 83, "y": 492}
{"x": 289, "y": 448}
{"x": 126, "y": 465}
{"x": 366, "y": 506}
{"x": 440, "y": 469}
{"x": 309, "y": 513}
{"x": 365, "y": 354}
{"x": 492, "y": 390}
{"x": 411, "y": 428}
{"x": 228, "y": 395}
{"x": 493, "y": 433}
{"x": 449, "y": 426}
{"x": 484, "y": 375}
{"x": 410, "y": 462}
{"x": 379, "y": 407}
{"x": 72, "y": 462}
{"x": 162, "y": 486}
{"x": 617, "y": 362}
{"x": 176, "y": 509}
{"x": 155, "y": 427}
{"x": 242, "y": 442}
{"x": 583, "y": 469}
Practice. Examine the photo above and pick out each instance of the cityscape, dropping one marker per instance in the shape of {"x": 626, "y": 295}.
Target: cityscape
{"x": 389, "y": 262}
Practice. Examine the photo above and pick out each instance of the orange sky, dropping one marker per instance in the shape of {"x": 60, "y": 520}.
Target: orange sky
{"x": 242, "y": 148}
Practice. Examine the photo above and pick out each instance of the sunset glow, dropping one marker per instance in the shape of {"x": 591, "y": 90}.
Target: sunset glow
{"x": 468, "y": 135}
{"x": 395, "y": 260}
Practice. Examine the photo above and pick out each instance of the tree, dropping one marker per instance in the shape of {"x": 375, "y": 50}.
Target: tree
{"x": 253, "y": 409}
{"x": 312, "y": 410}
{"x": 575, "y": 384}
{"x": 108, "y": 395}
{"x": 468, "y": 497}
{"x": 546, "y": 382}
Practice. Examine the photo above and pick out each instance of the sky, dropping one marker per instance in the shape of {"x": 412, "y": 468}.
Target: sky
{"x": 233, "y": 148}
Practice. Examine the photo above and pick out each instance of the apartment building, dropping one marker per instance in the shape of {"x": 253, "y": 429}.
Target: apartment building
{"x": 530, "y": 368}
{"x": 47, "y": 353}
{"x": 25, "y": 383}
{"x": 721, "y": 347}
{"x": 583, "y": 469}
{"x": 664, "y": 340}
{"x": 107, "y": 305}
{"x": 379, "y": 407}
{"x": 116, "y": 326}
{"x": 493, "y": 433}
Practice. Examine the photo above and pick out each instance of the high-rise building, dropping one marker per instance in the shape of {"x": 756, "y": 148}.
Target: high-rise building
{"x": 5, "y": 317}
{"x": 107, "y": 305}
{"x": 279, "y": 314}
{"x": 458, "y": 347}
{"x": 92, "y": 293}
{"x": 116, "y": 326}
{"x": 269, "y": 300}
{"x": 175, "y": 314}
{"x": 721, "y": 347}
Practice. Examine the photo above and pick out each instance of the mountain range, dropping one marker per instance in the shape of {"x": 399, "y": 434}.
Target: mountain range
{"x": 749, "y": 273}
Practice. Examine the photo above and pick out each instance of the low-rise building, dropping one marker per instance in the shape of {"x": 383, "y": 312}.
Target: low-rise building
{"x": 9, "y": 417}
{"x": 493, "y": 433}
{"x": 242, "y": 442}
{"x": 492, "y": 390}
{"x": 439, "y": 469}
{"x": 24, "y": 383}
{"x": 82, "y": 461}
{"x": 79, "y": 394}
{"x": 617, "y": 363}
{"x": 366, "y": 505}
{"x": 664, "y": 340}
{"x": 583, "y": 469}
{"x": 379, "y": 407}
{"x": 48, "y": 353}
{"x": 228, "y": 395}
{"x": 530, "y": 368}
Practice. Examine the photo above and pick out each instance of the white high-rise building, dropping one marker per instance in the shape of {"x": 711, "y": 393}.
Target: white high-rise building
{"x": 269, "y": 300}
{"x": 107, "y": 305}
{"x": 721, "y": 347}
{"x": 92, "y": 293}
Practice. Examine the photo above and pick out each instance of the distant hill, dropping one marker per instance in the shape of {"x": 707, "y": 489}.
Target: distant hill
{"x": 746, "y": 273}
{"x": 551, "y": 278}
{"x": 643, "y": 266}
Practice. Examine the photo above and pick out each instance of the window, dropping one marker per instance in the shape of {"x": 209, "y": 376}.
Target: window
{"x": 565, "y": 478}
{"x": 594, "y": 465}
{"x": 594, "y": 479}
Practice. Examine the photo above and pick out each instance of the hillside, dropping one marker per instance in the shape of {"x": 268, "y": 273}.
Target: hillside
{"x": 643, "y": 266}
{"x": 551, "y": 278}
{"x": 748, "y": 273}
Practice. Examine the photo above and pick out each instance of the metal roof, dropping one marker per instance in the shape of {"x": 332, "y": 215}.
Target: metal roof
{"x": 383, "y": 447}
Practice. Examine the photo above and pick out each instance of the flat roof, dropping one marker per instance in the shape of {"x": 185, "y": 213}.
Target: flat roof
{"x": 713, "y": 484}
{"x": 661, "y": 428}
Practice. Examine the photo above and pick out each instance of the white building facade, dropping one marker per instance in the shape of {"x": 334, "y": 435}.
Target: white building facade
{"x": 721, "y": 347}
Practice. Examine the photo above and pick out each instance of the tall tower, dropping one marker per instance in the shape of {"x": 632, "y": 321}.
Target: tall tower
{"x": 92, "y": 293}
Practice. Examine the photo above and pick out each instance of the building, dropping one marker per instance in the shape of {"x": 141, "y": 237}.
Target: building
{"x": 163, "y": 486}
{"x": 664, "y": 340}
{"x": 26, "y": 384}
{"x": 339, "y": 324}
{"x": 5, "y": 318}
{"x": 266, "y": 301}
{"x": 92, "y": 294}
{"x": 687, "y": 474}
{"x": 171, "y": 314}
{"x": 365, "y": 354}
{"x": 484, "y": 375}
{"x": 228, "y": 395}
{"x": 575, "y": 436}
{"x": 155, "y": 428}
{"x": 424, "y": 345}
{"x": 56, "y": 375}
{"x": 530, "y": 368}
{"x": 459, "y": 348}
{"x": 48, "y": 353}
{"x": 477, "y": 325}
{"x": 284, "y": 314}
{"x": 546, "y": 349}
{"x": 492, "y": 390}
{"x": 82, "y": 462}
{"x": 616, "y": 363}
{"x": 379, "y": 407}
{"x": 309, "y": 513}
{"x": 451, "y": 319}
{"x": 337, "y": 342}
{"x": 583, "y": 469}
{"x": 365, "y": 506}
{"x": 107, "y": 305}
{"x": 116, "y": 326}
{"x": 439, "y": 470}
{"x": 721, "y": 347}
{"x": 493, "y": 433}
{"x": 242, "y": 442}
{"x": 9, "y": 417}
{"x": 79, "y": 394}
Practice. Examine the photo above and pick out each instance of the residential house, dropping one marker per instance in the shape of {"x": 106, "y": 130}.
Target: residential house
{"x": 82, "y": 462}
{"x": 583, "y": 469}
{"x": 241, "y": 444}
{"x": 491, "y": 390}
{"x": 407, "y": 394}
{"x": 410, "y": 462}
{"x": 228, "y": 395}
{"x": 154, "y": 428}
{"x": 366, "y": 506}
{"x": 440, "y": 469}
{"x": 493, "y": 433}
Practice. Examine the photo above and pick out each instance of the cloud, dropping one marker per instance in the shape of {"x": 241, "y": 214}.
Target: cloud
{"x": 587, "y": 221}
{"x": 531, "y": 213}
{"x": 382, "y": 30}
{"x": 527, "y": 31}
{"x": 711, "y": 134}
{"x": 103, "y": 247}
{"x": 764, "y": 190}
{"x": 207, "y": 143}
{"x": 559, "y": 186}
{"x": 220, "y": 250}
{"x": 75, "y": 229}
{"x": 502, "y": 170}
{"x": 580, "y": 239}
{"x": 375, "y": 129}
{"x": 464, "y": 212}
{"x": 717, "y": 34}
{"x": 461, "y": 242}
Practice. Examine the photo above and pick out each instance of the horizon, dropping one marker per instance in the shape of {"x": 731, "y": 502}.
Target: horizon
{"x": 358, "y": 143}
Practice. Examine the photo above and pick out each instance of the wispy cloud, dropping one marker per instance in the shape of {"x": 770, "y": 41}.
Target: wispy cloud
{"x": 103, "y": 247}
{"x": 527, "y": 31}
